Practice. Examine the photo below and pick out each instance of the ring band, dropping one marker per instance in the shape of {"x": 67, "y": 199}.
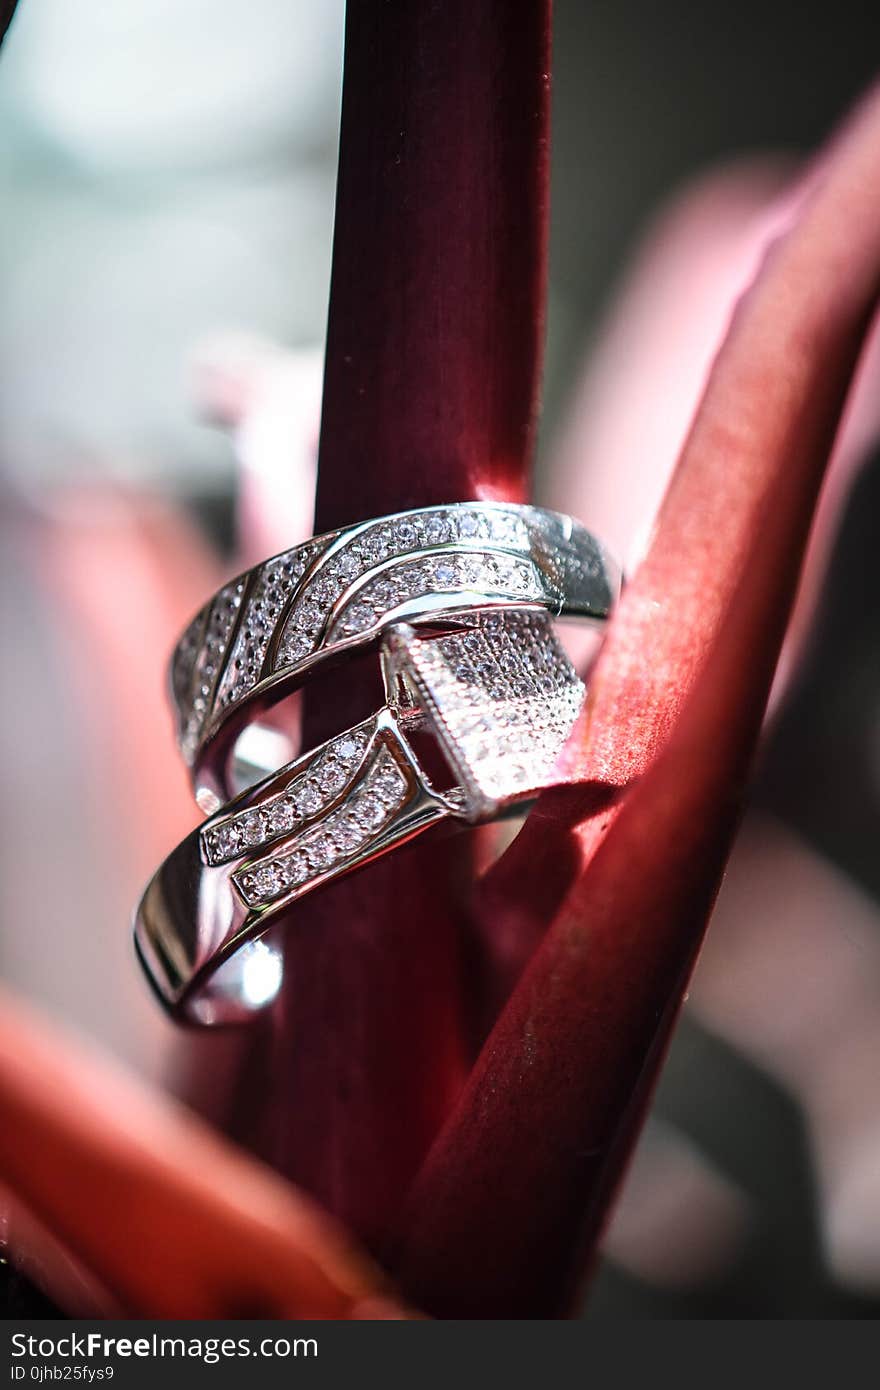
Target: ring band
{"x": 266, "y": 631}
{"x": 480, "y": 676}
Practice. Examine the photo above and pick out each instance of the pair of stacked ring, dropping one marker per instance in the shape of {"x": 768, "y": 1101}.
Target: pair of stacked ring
{"x": 459, "y": 602}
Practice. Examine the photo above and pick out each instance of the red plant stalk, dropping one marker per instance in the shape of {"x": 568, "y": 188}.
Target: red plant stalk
{"x": 123, "y": 1204}
{"x": 431, "y": 384}
{"x": 506, "y": 1212}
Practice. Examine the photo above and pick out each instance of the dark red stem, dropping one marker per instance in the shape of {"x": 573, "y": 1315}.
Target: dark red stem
{"x": 431, "y": 388}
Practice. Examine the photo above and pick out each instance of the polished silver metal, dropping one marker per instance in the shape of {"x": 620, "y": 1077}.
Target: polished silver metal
{"x": 268, "y": 630}
{"x": 459, "y": 601}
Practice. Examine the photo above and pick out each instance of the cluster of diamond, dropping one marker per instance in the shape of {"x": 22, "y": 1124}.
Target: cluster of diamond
{"x": 486, "y": 573}
{"x": 507, "y": 697}
{"x": 275, "y": 582}
{"x": 184, "y": 660}
{"x": 379, "y": 543}
{"x": 308, "y": 795}
{"x": 336, "y": 839}
{"x": 208, "y": 663}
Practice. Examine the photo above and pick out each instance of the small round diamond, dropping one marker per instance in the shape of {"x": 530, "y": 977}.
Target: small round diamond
{"x": 468, "y": 525}
{"x": 296, "y": 868}
{"x": 251, "y": 826}
{"x": 347, "y": 748}
{"x": 369, "y": 811}
{"x": 308, "y": 798}
{"x": 388, "y": 785}
{"x": 321, "y": 853}
{"x": 359, "y": 617}
{"x": 436, "y": 529}
{"x": 327, "y": 588}
{"x": 280, "y": 816}
{"x": 373, "y": 547}
{"x": 348, "y": 565}
{"x": 348, "y": 835}
{"x": 405, "y": 534}
{"x": 266, "y": 880}
{"x": 472, "y": 569}
{"x": 309, "y": 614}
{"x": 332, "y": 775}
{"x": 297, "y": 647}
{"x": 225, "y": 841}
{"x": 382, "y": 595}
{"x": 445, "y": 574}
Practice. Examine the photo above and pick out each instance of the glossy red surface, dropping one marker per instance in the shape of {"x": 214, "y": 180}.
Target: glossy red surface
{"x": 506, "y": 1212}
{"x": 431, "y": 389}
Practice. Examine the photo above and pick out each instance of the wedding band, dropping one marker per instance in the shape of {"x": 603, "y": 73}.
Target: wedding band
{"x": 265, "y": 632}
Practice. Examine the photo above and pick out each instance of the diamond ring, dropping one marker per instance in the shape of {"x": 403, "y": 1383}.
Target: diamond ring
{"x": 268, "y": 630}
{"x": 476, "y": 676}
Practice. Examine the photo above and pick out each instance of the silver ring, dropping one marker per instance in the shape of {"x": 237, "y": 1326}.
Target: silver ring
{"x": 265, "y": 632}
{"x": 481, "y": 676}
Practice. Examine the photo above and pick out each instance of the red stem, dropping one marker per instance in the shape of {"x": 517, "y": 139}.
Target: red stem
{"x": 509, "y": 1204}
{"x": 431, "y": 386}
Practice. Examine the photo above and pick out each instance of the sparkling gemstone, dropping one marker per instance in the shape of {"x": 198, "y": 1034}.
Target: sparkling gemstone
{"x": 296, "y": 868}
{"x": 444, "y": 573}
{"x": 369, "y": 810}
{"x": 388, "y": 785}
{"x": 309, "y": 614}
{"x": 332, "y": 775}
{"x": 359, "y": 617}
{"x": 348, "y": 565}
{"x": 506, "y": 571}
{"x": 436, "y": 529}
{"x": 347, "y": 834}
{"x": 266, "y": 880}
{"x": 327, "y": 588}
{"x": 225, "y": 841}
{"x": 347, "y": 748}
{"x": 468, "y": 525}
{"x": 297, "y": 647}
{"x": 308, "y": 798}
{"x": 472, "y": 569}
{"x": 405, "y": 534}
{"x": 321, "y": 853}
{"x": 280, "y": 816}
{"x": 251, "y": 826}
{"x": 373, "y": 547}
{"x": 382, "y": 595}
